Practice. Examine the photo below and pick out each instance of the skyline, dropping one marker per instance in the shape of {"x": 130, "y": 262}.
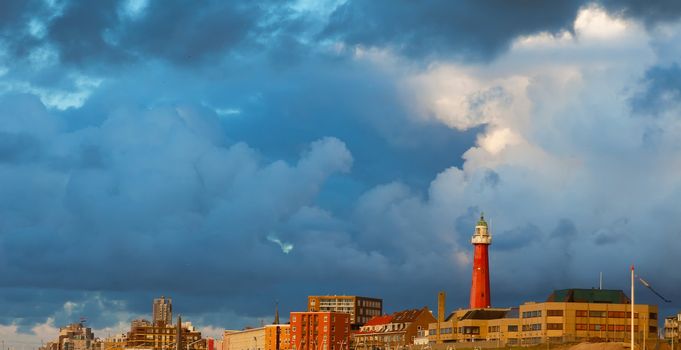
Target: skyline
{"x": 230, "y": 155}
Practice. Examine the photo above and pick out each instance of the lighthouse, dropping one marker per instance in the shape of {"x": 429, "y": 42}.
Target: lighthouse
{"x": 480, "y": 291}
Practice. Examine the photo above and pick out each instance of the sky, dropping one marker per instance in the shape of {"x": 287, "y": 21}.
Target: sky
{"x": 233, "y": 154}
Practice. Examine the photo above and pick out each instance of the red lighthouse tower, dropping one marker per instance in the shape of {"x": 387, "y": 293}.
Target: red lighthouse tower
{"x": 480, "y": 291}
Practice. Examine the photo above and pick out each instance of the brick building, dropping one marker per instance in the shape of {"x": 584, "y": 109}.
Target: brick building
{"x": 396, "y": 330}
{"x": 320, "y": 330}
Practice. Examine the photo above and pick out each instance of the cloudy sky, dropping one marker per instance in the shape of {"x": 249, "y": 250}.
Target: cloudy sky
{"x": 230, "y": 154}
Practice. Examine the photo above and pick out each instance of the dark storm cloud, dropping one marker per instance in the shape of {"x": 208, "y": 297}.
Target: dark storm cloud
{"x": 469, "y": 29}
{"x": 92, "y": 33}
{"x": 96, "y": 33}
{"x": 217, "y": 137}
{"x": 183, "y": 32}
{"x": 650, "y": 12}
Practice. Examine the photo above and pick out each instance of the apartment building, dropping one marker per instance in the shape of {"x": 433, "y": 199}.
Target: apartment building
{"x": 162, "y": 311}
{"x": 567, "y": 315}
{"x": 392, "y": 331}
{"x": 323, "y": 330}
{"x": 75, "y": 336}
{"x": 671, "y": 327}
{"x": 147, "y": 335}
{"x": 361, "y": 309}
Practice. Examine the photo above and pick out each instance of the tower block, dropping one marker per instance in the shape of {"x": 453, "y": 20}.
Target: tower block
{"x": 480, "y": 290}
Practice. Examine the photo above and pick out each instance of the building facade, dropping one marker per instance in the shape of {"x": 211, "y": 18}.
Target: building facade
{"x": 247, "y": 339}
{"x": 361, "y": 309}
{"x": 393, "y": 331}
{"x": 261, "y": 338}
{"x": 147, "y": 335}
{"x": 75, "y": 336}
{"x": 323, "y": 330}
{"x": 162, "y": 311}
{"x": 671, "y": 328}
{"x": 568, "y": 315}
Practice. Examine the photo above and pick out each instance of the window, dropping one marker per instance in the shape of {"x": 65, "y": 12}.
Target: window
{"x": 554, "y": 326}
{"x": 581, "y": 327}
{"x": 293, "y": 328}
{"x": 532, "y": 327}
{"x": 554, "y": 312}
{"x": 616, "y": 314}
{"x": 432, "y": 332}
{"x": 530, "y": 314}
{"x": 652, "y": 329}
{"x": 652, "y": 316}
{"x": 596, "y": 313}
{"x": 512, "y": 328}
{"x": 471, "y": 330}
{"x": 597, "y": 327}
{"x": 326, "y": 318}
{"x": 581, "y": 313}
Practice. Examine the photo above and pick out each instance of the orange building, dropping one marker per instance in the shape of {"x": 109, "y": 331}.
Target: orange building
{"x": 320, "y": 330}
{"x": 284, "y": 331}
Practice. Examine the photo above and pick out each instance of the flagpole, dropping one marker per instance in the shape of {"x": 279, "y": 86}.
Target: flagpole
{"x": 632, "y": 307}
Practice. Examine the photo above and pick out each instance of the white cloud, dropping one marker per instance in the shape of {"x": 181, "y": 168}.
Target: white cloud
{"x": 593, "y": 22}
{"x": 558, "y": 140}
{"x": 40, "y": 333}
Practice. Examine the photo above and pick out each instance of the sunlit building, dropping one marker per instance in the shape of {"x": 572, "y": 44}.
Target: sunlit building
{"x": 393, "y": 331}
{"x": 261, "y": 338}
{"x": 75, "y": 336}
{"x": 567, "y": 315}
{"x": 162, "y": 311}
{"x": 320, "y": 330}
{"x": 672, "y": 325}
{"x": 361, "y": 309}
{"x": 147, "y": 335}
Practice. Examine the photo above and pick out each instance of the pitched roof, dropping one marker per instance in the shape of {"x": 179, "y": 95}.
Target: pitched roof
{"x": 379, "y": 320}
{"x": 604, "y": 296}
{"x": 407, "y": 315}
{"x": 485, "y": 314}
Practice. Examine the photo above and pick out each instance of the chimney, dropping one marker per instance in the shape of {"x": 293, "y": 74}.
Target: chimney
{"x": 441, "y": 297}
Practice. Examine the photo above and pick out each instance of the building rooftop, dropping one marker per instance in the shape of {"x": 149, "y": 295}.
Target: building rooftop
{"x": 485, "y": 314}
{"x": 603, "y": 296}
{"x": 379, "y": 320}
{"x": 406, "y": 315}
